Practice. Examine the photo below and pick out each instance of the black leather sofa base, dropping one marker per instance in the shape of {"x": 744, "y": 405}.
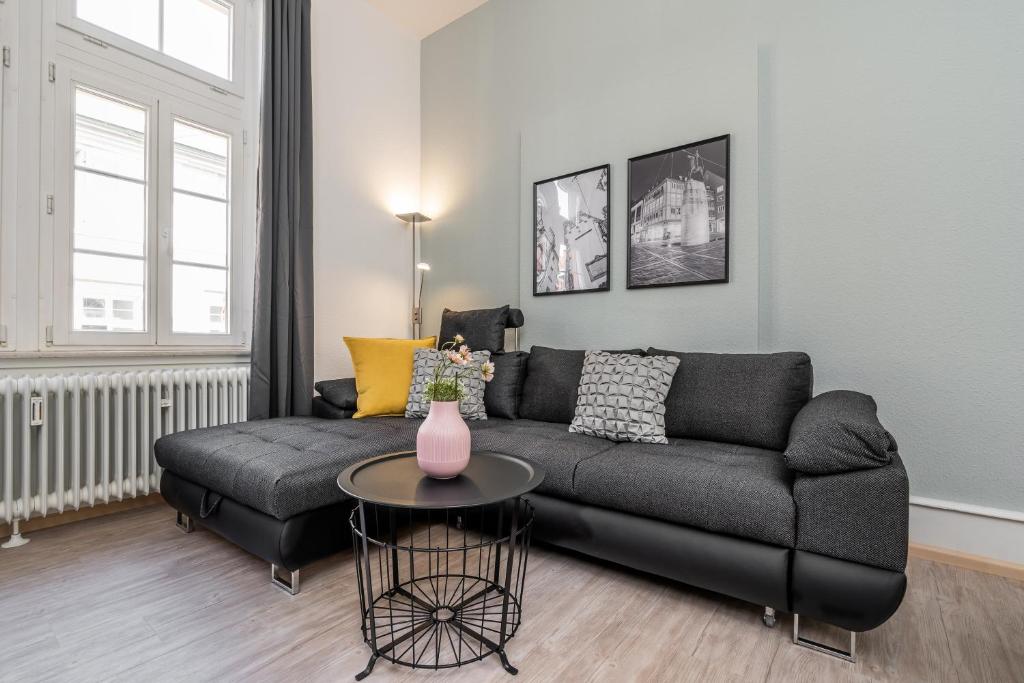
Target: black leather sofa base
{"x": 748, "y": 570}
{"x": 849, "y": 595}
{"x": 290, "y": 544}
{"x": 846, "y": 594}
{"x": 853, "y": 596}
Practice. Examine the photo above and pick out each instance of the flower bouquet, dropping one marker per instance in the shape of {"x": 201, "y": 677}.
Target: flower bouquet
{"x": 443, "y": 440}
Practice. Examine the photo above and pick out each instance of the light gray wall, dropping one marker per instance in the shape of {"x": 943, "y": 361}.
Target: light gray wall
{"x": 877, "y": 164}
{"x": 892, "y": 162}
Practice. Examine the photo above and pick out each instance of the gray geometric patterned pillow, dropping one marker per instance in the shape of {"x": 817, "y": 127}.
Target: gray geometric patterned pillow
{"x": 622, "y": 396}
{"x": 423, "y": 363}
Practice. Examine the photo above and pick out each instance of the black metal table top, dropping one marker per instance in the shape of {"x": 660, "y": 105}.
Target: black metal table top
{"x": 396, "y": 480}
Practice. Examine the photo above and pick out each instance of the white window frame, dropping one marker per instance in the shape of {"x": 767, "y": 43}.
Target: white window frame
{"x": 68, "y": 78}
{"x": 163, "y": 109}
{"x": 171, "y": 109}
{"x": 8, "y": 159}
{"x": 128, "y": 74}
{"x": 67, "y": 17}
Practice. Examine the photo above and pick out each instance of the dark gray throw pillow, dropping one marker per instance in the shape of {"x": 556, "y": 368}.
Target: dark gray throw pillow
{"x": 340, "y": 393}
{"x": 838, "y": 431}
{"x": 483, "y": 329}
{"x": 552, "y": 383}
{"x": 502, "y": 394}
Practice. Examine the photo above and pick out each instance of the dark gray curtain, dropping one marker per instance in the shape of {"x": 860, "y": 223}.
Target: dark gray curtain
{"x": 282, "y": 334}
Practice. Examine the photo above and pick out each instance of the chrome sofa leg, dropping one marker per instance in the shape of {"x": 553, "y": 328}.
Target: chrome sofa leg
{"x": 769, "y": 617}
{"x": 849, "y": 656}
{"x": 185, "y": 523}
{"x": 285, "y": 580}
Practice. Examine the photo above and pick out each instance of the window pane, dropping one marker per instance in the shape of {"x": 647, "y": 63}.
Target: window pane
{"x": 200, "y": 230}
{"x": 200, "y": 299}
{"x": 110, "y": 214}
{"x": 138, "y": 20}
{"x": 198, "y": 32}
{"x": 110, "y": 135}
{"x": 109, "y": 293}
{"x": 200, "y": 160}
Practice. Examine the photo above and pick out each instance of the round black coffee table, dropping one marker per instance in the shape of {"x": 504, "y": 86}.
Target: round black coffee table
{"x": 440, "y": 564}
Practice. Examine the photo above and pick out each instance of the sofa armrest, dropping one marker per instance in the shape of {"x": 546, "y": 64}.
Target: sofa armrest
{"x": 838, "y": 431}
{"x": 322, "y": 408}
{"x": 340, "y": 393}
{"x": 860, "y": 516}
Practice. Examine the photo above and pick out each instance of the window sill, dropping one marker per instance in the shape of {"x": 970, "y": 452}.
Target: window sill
{"x": 61, "y": 357}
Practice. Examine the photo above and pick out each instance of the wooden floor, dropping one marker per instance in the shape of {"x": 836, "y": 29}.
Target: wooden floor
{"x": 129, "y": 597}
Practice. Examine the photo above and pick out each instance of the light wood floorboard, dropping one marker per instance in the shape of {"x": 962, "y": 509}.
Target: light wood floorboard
{"x": 130, "y": 598}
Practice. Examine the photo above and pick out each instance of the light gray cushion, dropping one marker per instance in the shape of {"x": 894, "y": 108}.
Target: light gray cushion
{"x": 838, "y": 431}
{"x": 423, "y": 364}
{"x": 719, "y": 487}
{"x": 621, "y": 397}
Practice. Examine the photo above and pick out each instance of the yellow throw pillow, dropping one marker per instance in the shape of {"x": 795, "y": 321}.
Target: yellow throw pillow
{"x": 383, "y": 370}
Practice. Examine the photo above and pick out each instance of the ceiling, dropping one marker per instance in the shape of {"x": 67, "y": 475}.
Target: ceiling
{"x": 423, "y": 17}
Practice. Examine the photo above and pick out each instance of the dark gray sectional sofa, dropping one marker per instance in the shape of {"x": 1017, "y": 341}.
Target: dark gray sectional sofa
{"x": 762, "y": 493}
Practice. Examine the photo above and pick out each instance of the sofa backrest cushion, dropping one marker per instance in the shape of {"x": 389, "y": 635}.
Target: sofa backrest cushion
{"x": 503, "y": 392}
{"x": 741, "y": 398}
{"x": 552, "y": 383}
{"x": 483, "y": 329}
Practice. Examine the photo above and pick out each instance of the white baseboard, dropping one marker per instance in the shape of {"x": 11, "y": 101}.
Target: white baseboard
{"x": 971, "y": 529}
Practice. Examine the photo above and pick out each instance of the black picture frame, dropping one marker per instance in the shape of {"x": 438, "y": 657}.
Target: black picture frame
{"x": 666, "y": 264}
{"x": 594, "y": 222}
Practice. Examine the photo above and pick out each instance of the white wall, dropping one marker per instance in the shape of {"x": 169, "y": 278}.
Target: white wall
{"x": 366, "y": 144}
{"x": 877, "y": 158}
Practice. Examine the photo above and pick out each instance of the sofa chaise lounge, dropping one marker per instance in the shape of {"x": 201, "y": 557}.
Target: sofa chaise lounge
{"x": 763, "y": 493}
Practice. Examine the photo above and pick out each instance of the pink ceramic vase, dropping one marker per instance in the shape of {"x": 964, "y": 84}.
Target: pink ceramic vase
{"x": 442, "y": 442}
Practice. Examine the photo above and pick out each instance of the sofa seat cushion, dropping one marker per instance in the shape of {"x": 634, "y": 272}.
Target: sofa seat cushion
{"x": 724, "y": 488}
{"x": 281, "y": 466}
{"x": 548, "y": 445}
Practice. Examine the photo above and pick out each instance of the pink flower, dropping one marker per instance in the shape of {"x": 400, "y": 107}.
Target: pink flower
{"x": 465, "y": 352}
{"x": 487, "y": 370}
{"x": 457, "y": 358}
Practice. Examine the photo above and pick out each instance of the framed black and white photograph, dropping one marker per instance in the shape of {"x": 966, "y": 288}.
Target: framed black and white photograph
{"x": 679, "y": 216}
{"x": 570, "y": 232}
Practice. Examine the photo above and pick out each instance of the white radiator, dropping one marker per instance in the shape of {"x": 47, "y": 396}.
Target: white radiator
{"x": 78, "y": 440}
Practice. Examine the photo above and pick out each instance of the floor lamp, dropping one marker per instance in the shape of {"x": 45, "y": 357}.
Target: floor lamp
{"x": 417, "y": 295}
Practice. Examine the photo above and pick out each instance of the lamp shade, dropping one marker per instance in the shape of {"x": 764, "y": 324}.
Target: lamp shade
{"x": 415, "y": 216}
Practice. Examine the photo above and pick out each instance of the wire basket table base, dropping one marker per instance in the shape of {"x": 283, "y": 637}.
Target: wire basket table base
{"x": 440, "y": 588}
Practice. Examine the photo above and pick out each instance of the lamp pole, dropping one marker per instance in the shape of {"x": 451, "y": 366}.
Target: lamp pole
{"x": 417, "y": 314}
